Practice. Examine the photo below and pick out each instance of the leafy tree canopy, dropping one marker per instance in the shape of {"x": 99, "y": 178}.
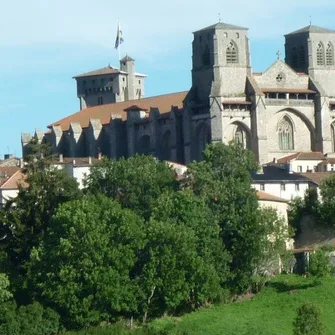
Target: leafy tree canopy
{"x": 134, "y": 182}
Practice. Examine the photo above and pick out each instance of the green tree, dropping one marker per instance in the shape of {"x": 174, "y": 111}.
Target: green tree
{"x": 223, "y": 180}
{"x": 135, "y": 182}
{"x": 308, "y": 321}
{"x": 5, "y": 294}
{"x": 28, "y": 320}
{"x": 319, "y": 264}
{"x": 173, "y": 276}
{"x": 84, "y": 268}
{"x": 25, "y": 219}
{"x": 183, "y": 208}
{"x": 327, "y": 207}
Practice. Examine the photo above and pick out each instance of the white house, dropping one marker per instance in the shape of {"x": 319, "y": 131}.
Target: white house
{"x": 281, "y": 183}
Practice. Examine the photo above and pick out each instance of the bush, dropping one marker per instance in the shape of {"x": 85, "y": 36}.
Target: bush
{"x": 319, "y": 264}
{"x": 28, "y": 320}
{"x": 308, "y": 321}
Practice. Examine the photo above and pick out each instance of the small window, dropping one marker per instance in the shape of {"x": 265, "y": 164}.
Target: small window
{"x": 139, "y": 81}
{"x": 102, "y": 82}
{"x": 282, "y": 187}
{"x": 297, "y": 186}
{"x": 200, "y": 39}
{"x": 93, "y": 82}
{"x": 110, "y": 79}
{"x": 332, "y": 167}
{"x": 262, "y": 187}
{"x": 299, "y": 168}
{"x": 84, "y": 83}
{"x": 100, "y": 100}
{"x": 123, "y": 79}
{"x": 237, "y": 35}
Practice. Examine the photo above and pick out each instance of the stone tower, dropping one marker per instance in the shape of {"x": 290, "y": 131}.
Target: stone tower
{"x": 221, "y": 64}
{"x": 311, "y": 50}
{"x": 221, "y": 60}
{"x": 109, "y": 85}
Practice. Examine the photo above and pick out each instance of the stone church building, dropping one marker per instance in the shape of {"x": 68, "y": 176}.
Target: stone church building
{"x": 290, "y": 107}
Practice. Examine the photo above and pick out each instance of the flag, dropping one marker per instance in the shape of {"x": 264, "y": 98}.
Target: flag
{"x": 119, "y": 36}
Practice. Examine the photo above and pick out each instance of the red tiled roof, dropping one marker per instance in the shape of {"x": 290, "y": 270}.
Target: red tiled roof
{"x": 164, "y": 104}
{"x": 313, "y": 155}
{"x": 6, "y": 172}
{"x": 102, "y": 71}
{"x": 135, "y": 108}
{"x": 329, "y": 161}
{"x": 261, "y": 195}
{"x": 15, "y": 180}
{"x": 318, "y": 177}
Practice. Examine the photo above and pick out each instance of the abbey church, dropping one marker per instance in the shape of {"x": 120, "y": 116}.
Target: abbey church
{"x": 288, "y": 108}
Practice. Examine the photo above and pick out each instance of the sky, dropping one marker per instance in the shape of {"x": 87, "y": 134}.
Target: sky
{"x": 44, "y": 43}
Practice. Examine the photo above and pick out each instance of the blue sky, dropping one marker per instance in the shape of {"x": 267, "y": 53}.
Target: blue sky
{"x": 44, "y": 43}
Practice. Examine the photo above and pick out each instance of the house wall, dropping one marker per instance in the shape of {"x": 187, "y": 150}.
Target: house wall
{"x": 292, "y": 190}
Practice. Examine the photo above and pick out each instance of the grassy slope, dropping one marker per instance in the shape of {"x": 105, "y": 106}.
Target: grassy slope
{"x": 270, "y": 312}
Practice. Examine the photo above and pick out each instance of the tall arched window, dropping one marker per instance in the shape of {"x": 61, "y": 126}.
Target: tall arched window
{"x": 241, "y": 137}
{"x": 332, "y": 131}
{"x": 285, "y": 134}
{"x": 329, "y": 54}
{"x": 320, "y": 54}
{"x": 231, "y": 53}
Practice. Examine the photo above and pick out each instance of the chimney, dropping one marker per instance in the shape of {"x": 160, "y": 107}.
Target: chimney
{"x": 99, "y": 156}
{"x": 74, "y": 162}
{"x": 89, "y": 160}
{"x": 61, "y": 159}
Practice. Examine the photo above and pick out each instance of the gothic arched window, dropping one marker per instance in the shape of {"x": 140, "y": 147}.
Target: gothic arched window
{"x": 285, "y": 134}
{"x": 332, "y": 131}
{"x": 320, "y": 54}
{"x": 231, "y": 53}
{"x": 241, "y": 137}
{"x": 329, "y": 54}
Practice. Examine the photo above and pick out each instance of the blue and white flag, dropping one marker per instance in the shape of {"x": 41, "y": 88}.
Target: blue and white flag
{"x": 119, "y": 36}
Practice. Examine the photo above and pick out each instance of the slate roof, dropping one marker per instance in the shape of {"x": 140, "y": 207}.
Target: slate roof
{"x": 223, "y": 26}
{"x": 312, "y": 29}
{"x": 274, "y": 174}
{"x": 163, "y": 103}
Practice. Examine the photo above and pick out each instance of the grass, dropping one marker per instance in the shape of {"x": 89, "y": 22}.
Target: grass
{"x": 270, "y": 312}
